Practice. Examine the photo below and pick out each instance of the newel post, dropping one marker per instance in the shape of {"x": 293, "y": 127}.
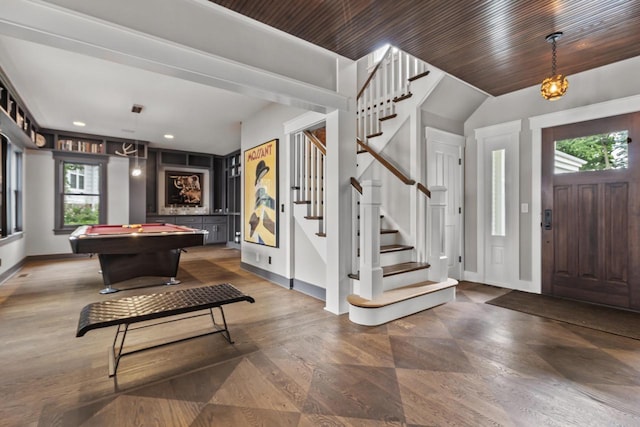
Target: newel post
{"x": 438, "y": 271}
{"x": 370, "y": 270}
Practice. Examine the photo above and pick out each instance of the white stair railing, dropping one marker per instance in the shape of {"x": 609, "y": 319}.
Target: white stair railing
{"x": 389, "y": 81}
{"x": 356, "y": 195}
{"x": 309, "y": 170}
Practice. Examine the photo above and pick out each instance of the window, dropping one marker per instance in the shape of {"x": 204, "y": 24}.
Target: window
{"x": 10, "y": 188}
{"x": 17, "y": 192}
{"x": 498, "y": 205}
{"x": 603, "y": 151}
{"x": 81, "y": 188}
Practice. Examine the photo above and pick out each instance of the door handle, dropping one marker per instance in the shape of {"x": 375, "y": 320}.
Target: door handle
{"x": 547, "y": 219}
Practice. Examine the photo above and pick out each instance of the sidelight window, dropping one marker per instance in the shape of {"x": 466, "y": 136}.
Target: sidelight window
{"x": 498, "y": 192}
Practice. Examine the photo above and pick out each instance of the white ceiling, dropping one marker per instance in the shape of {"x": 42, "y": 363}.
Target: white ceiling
{"x": 60, "y": 86}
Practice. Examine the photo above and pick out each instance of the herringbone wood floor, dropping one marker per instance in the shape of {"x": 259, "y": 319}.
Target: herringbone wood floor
{"x": 293, "y": 364}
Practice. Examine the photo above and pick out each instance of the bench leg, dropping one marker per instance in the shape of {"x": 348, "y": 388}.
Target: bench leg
{"x": 224, "y": 331}
{"x": 114, "y": 359}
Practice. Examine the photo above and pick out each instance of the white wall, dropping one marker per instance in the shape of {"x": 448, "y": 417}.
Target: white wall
{"x": 611, "y": 82}
{"x": 40, "y": 194}
{"x": 262, "y": 127}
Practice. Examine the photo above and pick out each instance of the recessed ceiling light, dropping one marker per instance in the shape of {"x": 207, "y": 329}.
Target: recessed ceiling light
{"x": 80, "y": 124}
{"x": 168, "y": 136}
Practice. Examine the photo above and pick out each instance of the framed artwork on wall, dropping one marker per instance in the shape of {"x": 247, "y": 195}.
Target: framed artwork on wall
{"x": 260, "y": 214}
{"x": 183, "y": 188}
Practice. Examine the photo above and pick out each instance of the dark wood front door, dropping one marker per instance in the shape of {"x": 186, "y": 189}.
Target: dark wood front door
{"x": 591, "y": 211}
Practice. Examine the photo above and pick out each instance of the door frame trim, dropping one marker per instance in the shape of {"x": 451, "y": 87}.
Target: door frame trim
{"x": 600, "y": 110}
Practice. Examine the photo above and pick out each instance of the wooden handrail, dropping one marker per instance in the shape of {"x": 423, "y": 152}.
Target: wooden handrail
{"x": 364, "y": 86}
{"x": 315, "y": 141}
{"x": 356, "y": 184}
{"x": 386, "y": 164}
{"x": 424, "y": 189}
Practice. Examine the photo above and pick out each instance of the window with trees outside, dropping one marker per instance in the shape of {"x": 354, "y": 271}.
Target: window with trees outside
{"x": 81, "y": 188}
{"x": 604, "y": 151}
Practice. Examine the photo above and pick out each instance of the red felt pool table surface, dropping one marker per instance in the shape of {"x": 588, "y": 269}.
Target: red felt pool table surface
{"x": 101, "y": 230}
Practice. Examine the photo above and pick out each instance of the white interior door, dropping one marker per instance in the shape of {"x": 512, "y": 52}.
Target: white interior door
{"x": 445, "y": 163}
{"x": 500, "y": 196}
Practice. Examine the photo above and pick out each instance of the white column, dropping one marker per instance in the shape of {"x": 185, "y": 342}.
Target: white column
{"x": 341, "y": 166}
{"x": 437, "y": 251}
{"x": 370, "y": 269}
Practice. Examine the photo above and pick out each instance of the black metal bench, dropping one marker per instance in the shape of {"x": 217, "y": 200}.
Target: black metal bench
{"x": 125, "y": 311}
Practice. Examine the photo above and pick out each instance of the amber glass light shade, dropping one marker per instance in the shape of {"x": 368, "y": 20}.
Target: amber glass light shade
{"x": 554, "y": 87}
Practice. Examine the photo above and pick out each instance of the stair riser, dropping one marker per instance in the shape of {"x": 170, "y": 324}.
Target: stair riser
{"x": 396, "y": 281}
{"x": 388, "y": 239}
{"x": 397, "y": 257}
{"x": 403, "y": 279}
{"x": 378, "y": 316}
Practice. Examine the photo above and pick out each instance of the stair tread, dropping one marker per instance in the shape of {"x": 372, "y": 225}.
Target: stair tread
{"x": 313, "y": 217}
{"x": 373, "y": 135}
{"x": 321, "y": 234}
{"x": 389, "y": 117}
{"x": 394, "y": 248}
{"x": 403, "y": 267}
{"x": 419, "y": 76}
{"x": 403, "y": 293}
{"x": 385, "y": 231}
{"x": 402, "y": 97}
{"x": 385, "y": 249}
{"x": 302, "y": 202}
{"x": 388, "y": 231}
{"x": 361, "y": 151}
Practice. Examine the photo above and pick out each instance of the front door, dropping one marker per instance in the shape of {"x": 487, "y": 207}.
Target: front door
{"x": 591, "y": 211}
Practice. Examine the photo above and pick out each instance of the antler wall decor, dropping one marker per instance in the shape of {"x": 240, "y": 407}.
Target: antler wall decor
{"x": 127, "y": 150}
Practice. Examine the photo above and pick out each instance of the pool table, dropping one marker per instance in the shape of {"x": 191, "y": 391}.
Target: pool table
{"x": 135, "y": 250}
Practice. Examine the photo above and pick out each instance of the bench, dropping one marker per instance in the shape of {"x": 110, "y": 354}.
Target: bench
{"x": 124, "y": 312}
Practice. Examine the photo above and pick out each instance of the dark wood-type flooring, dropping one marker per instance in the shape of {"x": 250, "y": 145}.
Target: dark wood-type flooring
{"x": 464, "y": 363}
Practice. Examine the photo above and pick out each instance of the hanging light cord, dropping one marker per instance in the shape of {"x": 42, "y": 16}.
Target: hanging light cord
{"x": 553, "y": 57}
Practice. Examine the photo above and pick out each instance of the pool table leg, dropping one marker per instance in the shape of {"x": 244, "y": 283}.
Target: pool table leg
{"x": 172, "y": 281}
{"x": 109, "y": 289}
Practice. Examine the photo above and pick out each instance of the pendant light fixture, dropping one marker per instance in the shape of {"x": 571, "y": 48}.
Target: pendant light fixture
{"x": 555, "y": 86}
{"x": 136, "y": 171}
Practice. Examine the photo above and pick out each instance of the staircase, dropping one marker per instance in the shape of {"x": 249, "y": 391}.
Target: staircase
{"x": 394, "y": 274}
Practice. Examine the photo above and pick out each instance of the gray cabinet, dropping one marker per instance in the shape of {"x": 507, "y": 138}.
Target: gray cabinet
{"x": 217, "y": 228}
{"x": 216, "y": 225}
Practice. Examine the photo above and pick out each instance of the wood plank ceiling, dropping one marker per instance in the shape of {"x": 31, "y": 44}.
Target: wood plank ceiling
{"x": 496, "y": 45}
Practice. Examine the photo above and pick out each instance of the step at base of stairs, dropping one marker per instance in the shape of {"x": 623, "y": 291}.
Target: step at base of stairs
{"x": 392, "y": 270}
{"x": 400, "y": 302}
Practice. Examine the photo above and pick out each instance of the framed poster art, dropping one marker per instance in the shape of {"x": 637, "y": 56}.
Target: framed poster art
{"x": 260, "y": 214}
{"x": 183, "y": 188}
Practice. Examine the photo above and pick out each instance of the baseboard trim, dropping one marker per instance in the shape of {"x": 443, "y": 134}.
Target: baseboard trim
{"x": 11, "y": 271}
{"x": 472, "y": 276}
{"x": 268, "y": 275}
{"x": 49, "y": 257}
{"x": 308, "y": 289}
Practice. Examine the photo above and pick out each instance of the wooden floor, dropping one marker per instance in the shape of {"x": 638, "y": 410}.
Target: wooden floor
{"x": 464, "y": 363}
